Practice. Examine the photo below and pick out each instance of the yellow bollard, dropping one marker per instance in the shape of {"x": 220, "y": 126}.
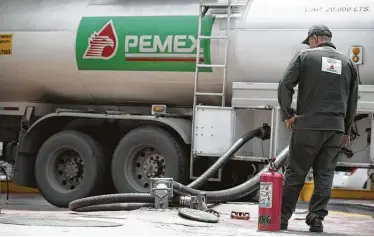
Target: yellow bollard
{"x": 337, "y": 193}
{"x": 307, "y": 191}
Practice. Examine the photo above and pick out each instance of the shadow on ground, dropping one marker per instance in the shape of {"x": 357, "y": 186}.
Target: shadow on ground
{"x": 298, "y": 232}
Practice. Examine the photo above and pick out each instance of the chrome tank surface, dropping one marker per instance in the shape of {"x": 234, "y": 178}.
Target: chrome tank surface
{"x": 273, "y": 31}
{"x": 47, "y": 36}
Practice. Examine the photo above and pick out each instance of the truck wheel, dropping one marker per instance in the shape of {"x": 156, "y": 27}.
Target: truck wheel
{"x": 144, "y": 153}
{"x": 69, "y": 166}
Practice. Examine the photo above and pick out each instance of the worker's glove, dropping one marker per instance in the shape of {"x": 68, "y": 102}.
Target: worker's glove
{"x": 346, "y": 140}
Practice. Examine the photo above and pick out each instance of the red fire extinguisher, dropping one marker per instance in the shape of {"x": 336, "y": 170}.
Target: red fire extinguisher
{"x": 270, "y": 201}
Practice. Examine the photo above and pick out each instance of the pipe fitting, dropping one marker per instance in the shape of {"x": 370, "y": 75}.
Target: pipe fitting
{"x": 265, "y": 130}
{"x": 193, "y": 202}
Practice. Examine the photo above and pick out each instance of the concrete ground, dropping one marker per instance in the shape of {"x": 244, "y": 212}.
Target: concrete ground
{"x": 37, "y": 217}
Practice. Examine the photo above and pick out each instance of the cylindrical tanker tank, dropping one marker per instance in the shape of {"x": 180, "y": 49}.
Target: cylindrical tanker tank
{"x": 270, "y": 34}
{"x": 112, "y": 52}
{"x": 144, "y": 51}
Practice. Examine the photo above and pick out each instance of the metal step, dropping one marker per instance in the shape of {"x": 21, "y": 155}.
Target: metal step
{"x": 211, "y": 65}
{"x": 209, "y": 93}
{"x": 212, "y": 37}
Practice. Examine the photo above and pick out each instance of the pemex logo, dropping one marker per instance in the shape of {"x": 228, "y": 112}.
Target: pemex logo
{"x": 104, "y": 44}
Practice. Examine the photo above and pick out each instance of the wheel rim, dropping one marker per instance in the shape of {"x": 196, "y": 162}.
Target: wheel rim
{"x": 144, "y": 163}
{"x": 66, "y": 169}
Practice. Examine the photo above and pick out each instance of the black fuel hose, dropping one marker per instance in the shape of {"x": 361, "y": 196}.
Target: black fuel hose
{"x": 236, "y": 192}
{"x": 87, "y": 204}
{"x": 144, "y": 199}
{"x": 115, "y": 207}
{"x": 262, "y": 132}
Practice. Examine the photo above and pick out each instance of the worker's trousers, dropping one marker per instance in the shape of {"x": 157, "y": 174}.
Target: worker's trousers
{"x": 310, "y": 149}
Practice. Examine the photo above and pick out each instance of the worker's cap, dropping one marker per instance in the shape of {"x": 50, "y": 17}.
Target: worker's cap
{"x": 317, "y": 30}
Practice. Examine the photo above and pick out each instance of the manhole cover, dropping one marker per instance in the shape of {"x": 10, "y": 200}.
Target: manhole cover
{"x": 35, "y": 221}
{"x": 198, "y": 215}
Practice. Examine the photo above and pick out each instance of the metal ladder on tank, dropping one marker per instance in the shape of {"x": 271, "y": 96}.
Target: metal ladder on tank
{"x": 212, "y": 5}
{"x": 228, "y": 5}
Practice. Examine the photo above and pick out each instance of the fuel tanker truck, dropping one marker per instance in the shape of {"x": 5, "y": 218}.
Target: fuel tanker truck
{"x": 99, "y": 96}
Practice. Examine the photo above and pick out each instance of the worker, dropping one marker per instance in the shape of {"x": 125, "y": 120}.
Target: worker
{"x": 326, "y": 106}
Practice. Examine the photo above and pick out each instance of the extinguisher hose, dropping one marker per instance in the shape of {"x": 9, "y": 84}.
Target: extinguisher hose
{"x": 137, "y": 200}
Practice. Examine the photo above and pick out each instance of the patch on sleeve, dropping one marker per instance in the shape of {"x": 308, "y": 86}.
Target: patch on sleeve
{"x": 331, "y": 65}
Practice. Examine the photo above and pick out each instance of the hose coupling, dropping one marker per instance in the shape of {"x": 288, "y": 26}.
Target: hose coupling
{"x": 194, "y": 202}
{"x": 265, "y": 132}
{"x": 162, "y": 191}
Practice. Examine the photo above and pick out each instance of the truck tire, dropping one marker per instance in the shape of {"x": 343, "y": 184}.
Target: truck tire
{"x": 70, "y": 165}
{"x": 143, "y": 153}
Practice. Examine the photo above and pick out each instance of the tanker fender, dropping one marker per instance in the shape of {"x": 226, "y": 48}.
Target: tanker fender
{"x": 46, "y": 126}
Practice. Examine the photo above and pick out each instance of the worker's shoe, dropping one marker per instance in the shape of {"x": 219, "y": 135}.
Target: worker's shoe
{"x": 316, "y": 225}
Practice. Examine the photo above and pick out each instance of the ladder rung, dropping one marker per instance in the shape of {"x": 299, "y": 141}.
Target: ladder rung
{"x": 215, "y": 5}
{"x": 209, "y": 93}
{"x": 212, "y": 37}
{"x": 222, "y": 5}
{"x": 211, "y": 65}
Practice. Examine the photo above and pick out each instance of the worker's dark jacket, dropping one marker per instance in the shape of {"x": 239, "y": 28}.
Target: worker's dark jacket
{"x": 327, "y": 92}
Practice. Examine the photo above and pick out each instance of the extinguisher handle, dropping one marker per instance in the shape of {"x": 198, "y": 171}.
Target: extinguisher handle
{"x": 272, "y": 164}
